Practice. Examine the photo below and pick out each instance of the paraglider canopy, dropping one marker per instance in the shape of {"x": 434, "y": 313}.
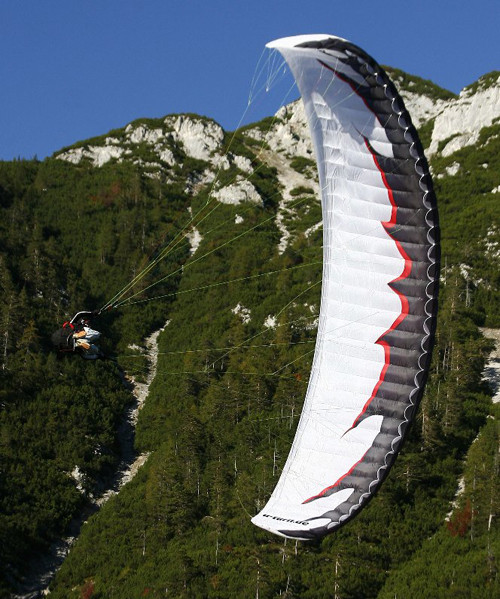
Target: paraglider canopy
{"x": 379, "y": 293}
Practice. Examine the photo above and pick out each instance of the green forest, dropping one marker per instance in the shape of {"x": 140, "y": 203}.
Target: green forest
{"x": 222, "y": 410}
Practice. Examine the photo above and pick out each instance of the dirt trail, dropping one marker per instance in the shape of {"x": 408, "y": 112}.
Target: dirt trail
{"x": 41, "y": 570}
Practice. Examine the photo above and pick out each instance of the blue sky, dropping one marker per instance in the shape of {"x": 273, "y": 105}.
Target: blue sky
{"x": 73, "y": 69}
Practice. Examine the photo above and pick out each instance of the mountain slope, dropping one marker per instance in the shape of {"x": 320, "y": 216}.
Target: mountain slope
{"x": 235, "y": 356}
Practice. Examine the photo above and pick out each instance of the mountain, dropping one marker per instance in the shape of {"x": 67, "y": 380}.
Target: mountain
{"x": 233, "y": 223}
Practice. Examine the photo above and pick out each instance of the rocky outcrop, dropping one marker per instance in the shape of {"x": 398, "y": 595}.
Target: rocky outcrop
{"x": 236, "y": 193}
{"x": 97, "y": 155}
{"x": 200, "y": 138}
{"x": 460, "y": 121}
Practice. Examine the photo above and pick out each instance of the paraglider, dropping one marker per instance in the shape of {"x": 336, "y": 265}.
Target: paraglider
{"x": 76, "y": 336}
{"x": 379, "y": 290}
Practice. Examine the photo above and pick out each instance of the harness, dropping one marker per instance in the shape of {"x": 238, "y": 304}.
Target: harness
{"x": 63, "y": 340}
